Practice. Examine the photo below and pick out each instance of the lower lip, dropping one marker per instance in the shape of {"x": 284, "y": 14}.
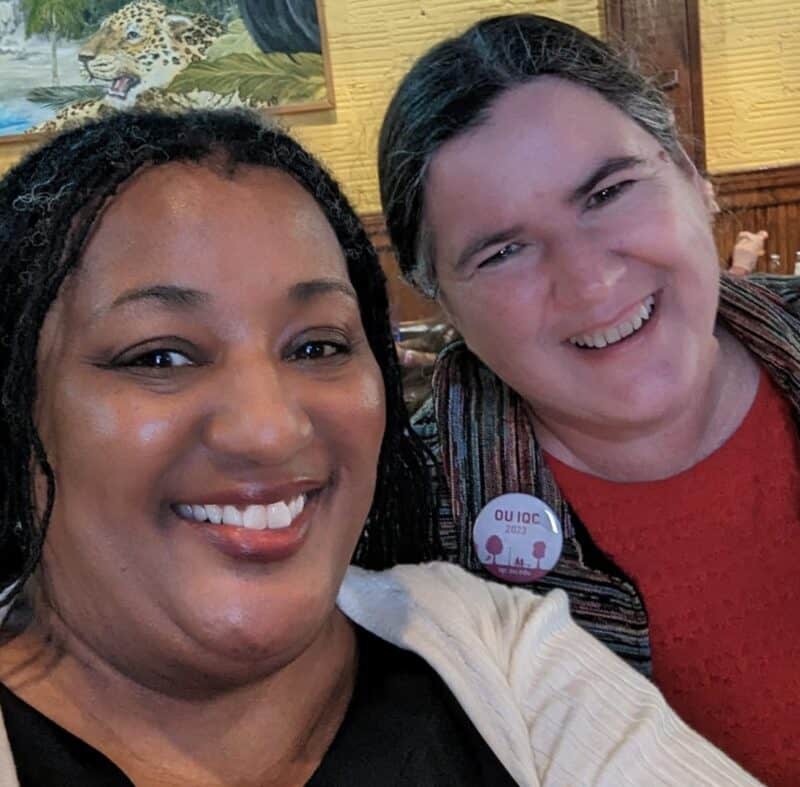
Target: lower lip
{"x": 261, "y": 546}
{"x": 628, "y": 343}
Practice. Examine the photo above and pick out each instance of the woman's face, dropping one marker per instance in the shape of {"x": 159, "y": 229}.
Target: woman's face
{"x": 207, "y": 362}
{"x": 575, "y": 257}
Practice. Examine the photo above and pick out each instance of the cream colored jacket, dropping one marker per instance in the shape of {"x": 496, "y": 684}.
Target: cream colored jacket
{"x": 556, "y": 707}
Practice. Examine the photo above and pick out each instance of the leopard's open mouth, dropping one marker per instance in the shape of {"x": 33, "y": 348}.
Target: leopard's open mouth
{"x": 120, "y": 86}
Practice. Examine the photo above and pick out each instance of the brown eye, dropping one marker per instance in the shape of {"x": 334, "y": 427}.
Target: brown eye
{"x": 608, "y": 194}
{"x": 312, "y": 351}
{"x": 505, "y": 253}
{"x": 160, "y": 359}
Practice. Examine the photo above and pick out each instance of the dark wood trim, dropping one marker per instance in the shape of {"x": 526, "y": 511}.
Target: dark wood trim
{"x": 614, "y": 21}
{"x": 376, "y": 229}
{"x": 696, "y": 82}
{"x": 762, "y": 199}
{"x": 748, "y": 188}
{"x": 666, "y": 35}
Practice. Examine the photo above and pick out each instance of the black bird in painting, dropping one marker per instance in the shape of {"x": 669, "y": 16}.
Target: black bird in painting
{"x": 282, "y": 25}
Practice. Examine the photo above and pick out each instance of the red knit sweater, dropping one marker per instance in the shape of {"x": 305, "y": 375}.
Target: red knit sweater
{"x": 715, "y": 554}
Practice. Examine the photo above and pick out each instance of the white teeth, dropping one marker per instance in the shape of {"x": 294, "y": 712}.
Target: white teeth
{"x": 618, "y": 332}
{"x": 232, "y": 516}
{"x": 278, "y": 516}
{"x": 255, "y": 518}
{"x": 214, "y": 514}
{"x": 274, "y": 516}
{"x": 296, "y": 505}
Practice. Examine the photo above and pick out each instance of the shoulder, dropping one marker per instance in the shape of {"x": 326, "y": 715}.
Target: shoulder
{"x": 763, "y": 289}
{"x": 415, "y": 605}
{"x": 548, "y": 698}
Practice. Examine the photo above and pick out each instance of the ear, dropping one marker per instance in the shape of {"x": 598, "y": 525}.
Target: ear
{"x": 178, "y": 24}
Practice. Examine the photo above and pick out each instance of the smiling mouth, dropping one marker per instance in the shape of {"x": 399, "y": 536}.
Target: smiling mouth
{"x": 273, "y": 516}
{"x": 631, "y": 324}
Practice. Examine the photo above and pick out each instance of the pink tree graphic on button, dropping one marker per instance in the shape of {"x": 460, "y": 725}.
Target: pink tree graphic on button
{"x": 539, "y": 551}
{"x": 509, "y": 529}
{"x": 494, "y": 546}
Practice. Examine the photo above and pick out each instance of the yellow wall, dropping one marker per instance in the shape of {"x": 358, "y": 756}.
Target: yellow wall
{"x": 751, "y": 82}
{"x": 372, "y": 43}
{"x": 751, "y": 77}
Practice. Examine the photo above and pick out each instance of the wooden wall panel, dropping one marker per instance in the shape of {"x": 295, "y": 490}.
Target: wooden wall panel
{"x": 763, "y": 199}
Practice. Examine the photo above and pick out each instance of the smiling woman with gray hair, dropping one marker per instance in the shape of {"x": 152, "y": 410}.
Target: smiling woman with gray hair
{"x": 615, "y": 422}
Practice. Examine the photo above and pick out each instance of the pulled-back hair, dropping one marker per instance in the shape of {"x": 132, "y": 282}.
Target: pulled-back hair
{"x": 48, "y": 205}
{"x": 450, "y": 90}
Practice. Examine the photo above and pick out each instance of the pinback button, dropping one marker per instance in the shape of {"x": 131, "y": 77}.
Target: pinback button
{"x": 517, "y": 537}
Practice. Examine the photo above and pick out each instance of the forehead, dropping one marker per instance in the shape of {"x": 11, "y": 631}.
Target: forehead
{"x": 547, "y": 130}
{"x": 193, "y": 224}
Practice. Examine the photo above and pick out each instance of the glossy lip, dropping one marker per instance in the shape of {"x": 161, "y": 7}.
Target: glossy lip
{"x": 254, "y": 495}
{"x": 628, "y": 341}
{"x": 262, "y": 546}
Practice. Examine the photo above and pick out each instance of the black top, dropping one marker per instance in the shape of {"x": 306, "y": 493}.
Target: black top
{"x": 403, "y": 727}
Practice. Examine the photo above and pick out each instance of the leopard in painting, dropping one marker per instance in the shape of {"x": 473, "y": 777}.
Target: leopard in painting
{"x": 136, "y": 52}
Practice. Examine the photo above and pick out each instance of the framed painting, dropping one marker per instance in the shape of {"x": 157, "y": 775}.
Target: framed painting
{"x": 66, "y": 61}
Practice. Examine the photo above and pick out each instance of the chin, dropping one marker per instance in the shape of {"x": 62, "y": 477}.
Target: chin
{"x": 263, "y": 628}
{"x": 654, "y": 403}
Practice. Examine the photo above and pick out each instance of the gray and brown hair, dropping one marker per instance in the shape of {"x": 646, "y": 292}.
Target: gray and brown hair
{"x": 451, "y": 88}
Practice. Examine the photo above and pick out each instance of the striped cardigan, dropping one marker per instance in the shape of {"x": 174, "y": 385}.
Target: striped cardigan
{"x": 482, "y": 445}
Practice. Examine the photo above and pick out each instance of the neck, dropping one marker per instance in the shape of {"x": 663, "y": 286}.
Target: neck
{"x": 274, "y": 731}
{"x": 667, "y": 446}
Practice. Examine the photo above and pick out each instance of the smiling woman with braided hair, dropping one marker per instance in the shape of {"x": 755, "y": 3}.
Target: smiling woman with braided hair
{"x": 202, "y": 428}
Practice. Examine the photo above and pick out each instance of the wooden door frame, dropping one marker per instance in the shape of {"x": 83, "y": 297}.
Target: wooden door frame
{"x": 615, "y": 15}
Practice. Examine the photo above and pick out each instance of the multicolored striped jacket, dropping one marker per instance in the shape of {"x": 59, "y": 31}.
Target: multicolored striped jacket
{"x": 482, "y": 445}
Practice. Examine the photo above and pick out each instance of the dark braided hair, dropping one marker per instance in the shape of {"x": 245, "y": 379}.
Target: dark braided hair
{"x": 48, "y": 205}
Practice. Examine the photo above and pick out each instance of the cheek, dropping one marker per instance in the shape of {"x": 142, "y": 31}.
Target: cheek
{"x": 496, "y": 315}
{"x": 350, "y": 422}
{"x": 672, "y": 230}
{"x": 368, "y": 415}
{"x": 90, "y": 431}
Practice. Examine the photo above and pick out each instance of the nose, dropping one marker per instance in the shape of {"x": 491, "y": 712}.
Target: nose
{"x": 585, "y": 271}
{"x": 258, "y": 414}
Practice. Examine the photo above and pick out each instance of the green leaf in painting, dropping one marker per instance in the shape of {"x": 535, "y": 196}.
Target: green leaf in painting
{"x": 263, "y": 79}
{"x": 236, "y": 39}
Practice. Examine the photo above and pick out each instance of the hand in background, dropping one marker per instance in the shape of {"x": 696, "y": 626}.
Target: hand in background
{"x": 414, "y": 359}
{"x": 749, "y": 247}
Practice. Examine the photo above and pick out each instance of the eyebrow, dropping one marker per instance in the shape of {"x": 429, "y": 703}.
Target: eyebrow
{"x": 305, "y": 291}
{"x": 600, "y": 173}
{"x": 606, "y": 168}
{"x": 167, "y": 294}
{"x": 186, "y": 298}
